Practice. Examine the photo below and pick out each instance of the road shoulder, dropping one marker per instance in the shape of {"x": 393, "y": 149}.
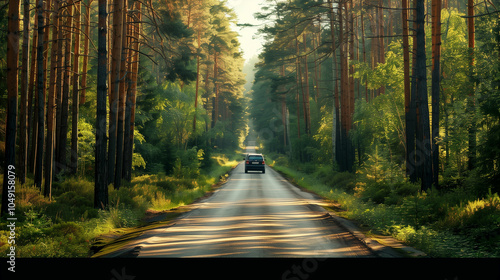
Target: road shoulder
{"x": 381, "y": 245}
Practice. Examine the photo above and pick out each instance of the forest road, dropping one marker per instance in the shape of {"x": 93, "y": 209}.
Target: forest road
{"x": 253, "y": 215}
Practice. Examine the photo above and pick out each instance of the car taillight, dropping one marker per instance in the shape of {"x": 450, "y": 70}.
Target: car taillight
{"x": 248, "y": 162}
{"x": 263, "y": 162}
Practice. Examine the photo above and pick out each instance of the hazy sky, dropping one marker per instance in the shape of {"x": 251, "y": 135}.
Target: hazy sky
{"x": 251, "y": 44}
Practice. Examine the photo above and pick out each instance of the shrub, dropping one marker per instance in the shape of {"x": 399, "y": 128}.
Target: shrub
{"x": 160, "y": 202}
{"x": 188, "y": 163}
{"x": 28, "y": 196}
{"x": 344, "y": 180}
{"x": 33, "y": 227}
{"x": 476, "y": 213}
{"x": 65, "y": 228}
{"x": 118, "y": 217}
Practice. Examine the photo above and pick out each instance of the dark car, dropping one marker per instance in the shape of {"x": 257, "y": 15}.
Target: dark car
{"x": 255, "y": 162}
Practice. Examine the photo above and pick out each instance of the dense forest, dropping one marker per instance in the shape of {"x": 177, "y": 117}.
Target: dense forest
{"x": 350, "y": 82}
{"x": 96, "y": 93}
{"x": 392, "y": 102}
{"x": 112, "y": 108}
{"x": 141, "y": 83}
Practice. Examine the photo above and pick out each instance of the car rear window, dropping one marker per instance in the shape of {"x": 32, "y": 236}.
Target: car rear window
{"x": 255, "y": 158}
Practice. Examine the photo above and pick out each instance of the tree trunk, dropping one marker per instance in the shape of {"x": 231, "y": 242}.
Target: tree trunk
{"x": 298, "y": 81}
{"x": 283, "y": 110}
{"x": 346, "y": 157}
{"x": 471, "y": 106}
{"x": 215, "y": 106}
{"x": 12, "y": 91}
{"x": 409, "y": 135}
{"x": 351, "y": 66}
{"x": 132, "y": 92}
{"x": 101, "y": 180}
{"x": 49, "y": 154}
{"x": 197, "y": 79}
{"x": 63, "y": 137}
{"x": 381, "y": 49}
{"x": 316, "y": 68}
{"x": 23, "y": 130}
{"x": 31, "y": 95}
{"x": 436, "y": 78}
{"x": 121, "y": 102}
{"x": 307, "y": 110}
{"x": 40, "y": 94}
{"x": 76, "y": 89}
{"x": 364, "y": 53}
{"x": 423, "y": 125}
{"x": 413, "y": 166}
{"x": 126, "y": 125}
{"x": 334, "y": 78}
{"x": 351, "y": 96}
{"x": 59, "y": 86}
{"x": 115, "y": 85}
{"x": 85, "y": 62}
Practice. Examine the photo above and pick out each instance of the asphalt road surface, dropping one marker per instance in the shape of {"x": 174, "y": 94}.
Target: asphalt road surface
{"x": 253, "y": 215}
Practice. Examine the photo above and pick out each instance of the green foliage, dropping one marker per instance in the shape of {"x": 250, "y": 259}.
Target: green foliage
{"x": 66, "y": 226}
{"x": 86, "y": 143}
{"x": 187, "y": 165}
{"x": 442, "y": 224}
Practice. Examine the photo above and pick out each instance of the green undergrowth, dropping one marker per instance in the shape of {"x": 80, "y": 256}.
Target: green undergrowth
{"x": 446, "y": 223}
{"x": 68, "y": 225}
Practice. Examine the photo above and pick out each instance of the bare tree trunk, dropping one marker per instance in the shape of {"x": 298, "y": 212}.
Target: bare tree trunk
{"x": 63, "y": 137}
{"x": 76, "y": 89}
{"x": 436, "y": 83}
{"x": 298, "y": 80}
{"x": 49, "y": 154}
{"x": 423, "y": 126}
{"x": 85, "y": 62}
{"x": 374, "y": 46}
{"x": 122, "y": 95}
{"x": 345, "y": 141}
{"x": 215, "y": 109}
{"x": 316, "y": 68}
{"x": 126, "y": 131}
{"x": 364, "y": 52}
{"x": 471, "y": 106}
{"x": 350, "y": 98}
{"x": 409, "y": 135}
{"x": 31, "y": 96}
{"x": 12, "y": 91}
{"x": 115, "y": 85}
{"x": 283, "y": 110}
{"x": 307, "y": 108}
{"x": 335, "y": 122}
{"x": 40, "y": 95}
{"x": 101, "y": 179}
{"x": 351, "y": 65}
{"x": 23, "y": 132}
{"x": 197, "y": 80}
{"x": 381, "y": 54}
{"x": 132, "y": 91}
{"x": 414, "y": 168}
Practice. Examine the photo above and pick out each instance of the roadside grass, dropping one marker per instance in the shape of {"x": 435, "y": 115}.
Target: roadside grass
{"x": 68, "y": 226}
{"x": 442, "y": 224}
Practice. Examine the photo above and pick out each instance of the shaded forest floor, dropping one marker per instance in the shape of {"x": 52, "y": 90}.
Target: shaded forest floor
{"x": 69, "y": 226}
{"x": 442, "y": 224}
